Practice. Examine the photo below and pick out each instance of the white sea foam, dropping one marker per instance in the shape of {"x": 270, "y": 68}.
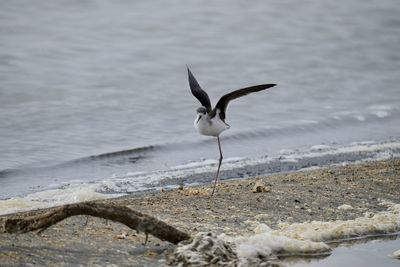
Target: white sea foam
{"x": 396, "y": 254}
{"x": 381, "y": 111}
{"x": 320, "y": 147}
{"x": 266, "y": 244}
{"x": 379, "y": 151}
{"x": 50, "y": 198}
{"x": 363, "y": 143}
{"x": 370, "y": 224}
{"x": 286, "y": 151}
{"x": 288, "y": 159}
{"x": 195, "y": 164}
{"x": 308, "y": 238}
{"x": 134, "y": 182}
{"x": 206, "y": 162}
{"x": 360, "y": 117}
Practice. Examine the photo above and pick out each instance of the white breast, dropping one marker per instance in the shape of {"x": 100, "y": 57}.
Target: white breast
{"x": 211, "y": 127}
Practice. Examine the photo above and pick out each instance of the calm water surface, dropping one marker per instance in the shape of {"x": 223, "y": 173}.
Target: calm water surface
{"x": 369, "y": 254}
{"x": 85, "y": 78}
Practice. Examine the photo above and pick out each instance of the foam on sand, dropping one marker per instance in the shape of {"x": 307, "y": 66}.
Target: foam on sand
{"x": 298, "y": 239}
{"x": 50, "y": 198}
{"x": 266, "y": 244}
{"x": 370, "y": 224}
{"x": 396, "y": 254}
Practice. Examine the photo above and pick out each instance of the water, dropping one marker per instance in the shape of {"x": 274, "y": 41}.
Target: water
{"x": 80, "y": 80}
{"x": 373, "y": 253}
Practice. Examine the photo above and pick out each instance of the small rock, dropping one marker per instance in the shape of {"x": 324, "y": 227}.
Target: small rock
{"x": 261, "y": 216}
{"x": 260, "y": 187}
{"x": 123, "y": 235}
{"x": 150, "y": 254}
{"x": 195, "y": 192}
{"x": 345, "y": 207}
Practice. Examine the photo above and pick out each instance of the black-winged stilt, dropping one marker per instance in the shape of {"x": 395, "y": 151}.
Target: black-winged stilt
{"x": 210, "y": 121}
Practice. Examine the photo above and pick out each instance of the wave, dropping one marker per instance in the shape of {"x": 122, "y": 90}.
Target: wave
{"x": 7, "y": 172}
{"x": 133, "y": 155}
{"x": 139, "y": 155}
{"x": 124, "y": 152}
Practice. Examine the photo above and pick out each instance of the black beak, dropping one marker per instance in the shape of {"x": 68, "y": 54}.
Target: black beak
{"x": 198, "y": 119}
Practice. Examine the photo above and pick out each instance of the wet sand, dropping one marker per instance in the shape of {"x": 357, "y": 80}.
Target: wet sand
{"x": 237, "y": 206}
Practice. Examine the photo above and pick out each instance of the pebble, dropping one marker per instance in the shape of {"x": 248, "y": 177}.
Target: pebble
{"x": 345, "y": 207}
{"x": 260, "y": 187}
{"x": 123, "y": 235}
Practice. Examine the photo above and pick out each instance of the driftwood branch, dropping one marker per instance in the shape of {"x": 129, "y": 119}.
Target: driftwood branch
{"x": 133, "y": 219}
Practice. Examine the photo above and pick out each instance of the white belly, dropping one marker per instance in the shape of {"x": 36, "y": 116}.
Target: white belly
{"x": 213, "y": 127}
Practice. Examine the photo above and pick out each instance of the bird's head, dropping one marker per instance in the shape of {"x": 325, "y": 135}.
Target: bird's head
{"x": 201, "y": 111}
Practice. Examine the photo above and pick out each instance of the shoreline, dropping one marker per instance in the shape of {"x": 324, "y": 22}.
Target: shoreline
{"x": 327, "y": 194}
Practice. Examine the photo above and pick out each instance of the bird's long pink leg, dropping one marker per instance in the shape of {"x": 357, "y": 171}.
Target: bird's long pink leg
{"x": 219, "y": 165}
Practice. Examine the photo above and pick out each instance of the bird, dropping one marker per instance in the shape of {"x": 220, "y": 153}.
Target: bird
{"x": 211, "y": 121}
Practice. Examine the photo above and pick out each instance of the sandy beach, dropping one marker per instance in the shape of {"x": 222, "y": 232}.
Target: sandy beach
{"x": 326, "y": 194}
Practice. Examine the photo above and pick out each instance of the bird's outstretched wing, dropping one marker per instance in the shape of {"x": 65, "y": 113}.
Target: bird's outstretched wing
{"x": 199, "y": 93}
{"x": 223, "y": 102}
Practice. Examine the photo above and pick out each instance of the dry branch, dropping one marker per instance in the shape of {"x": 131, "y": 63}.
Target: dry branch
{"x": 133, "y": 219}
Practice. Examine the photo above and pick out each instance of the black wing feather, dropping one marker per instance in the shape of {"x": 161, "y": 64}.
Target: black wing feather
{"x": 199, "y": 93}
{"x": 223, "y": 102}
